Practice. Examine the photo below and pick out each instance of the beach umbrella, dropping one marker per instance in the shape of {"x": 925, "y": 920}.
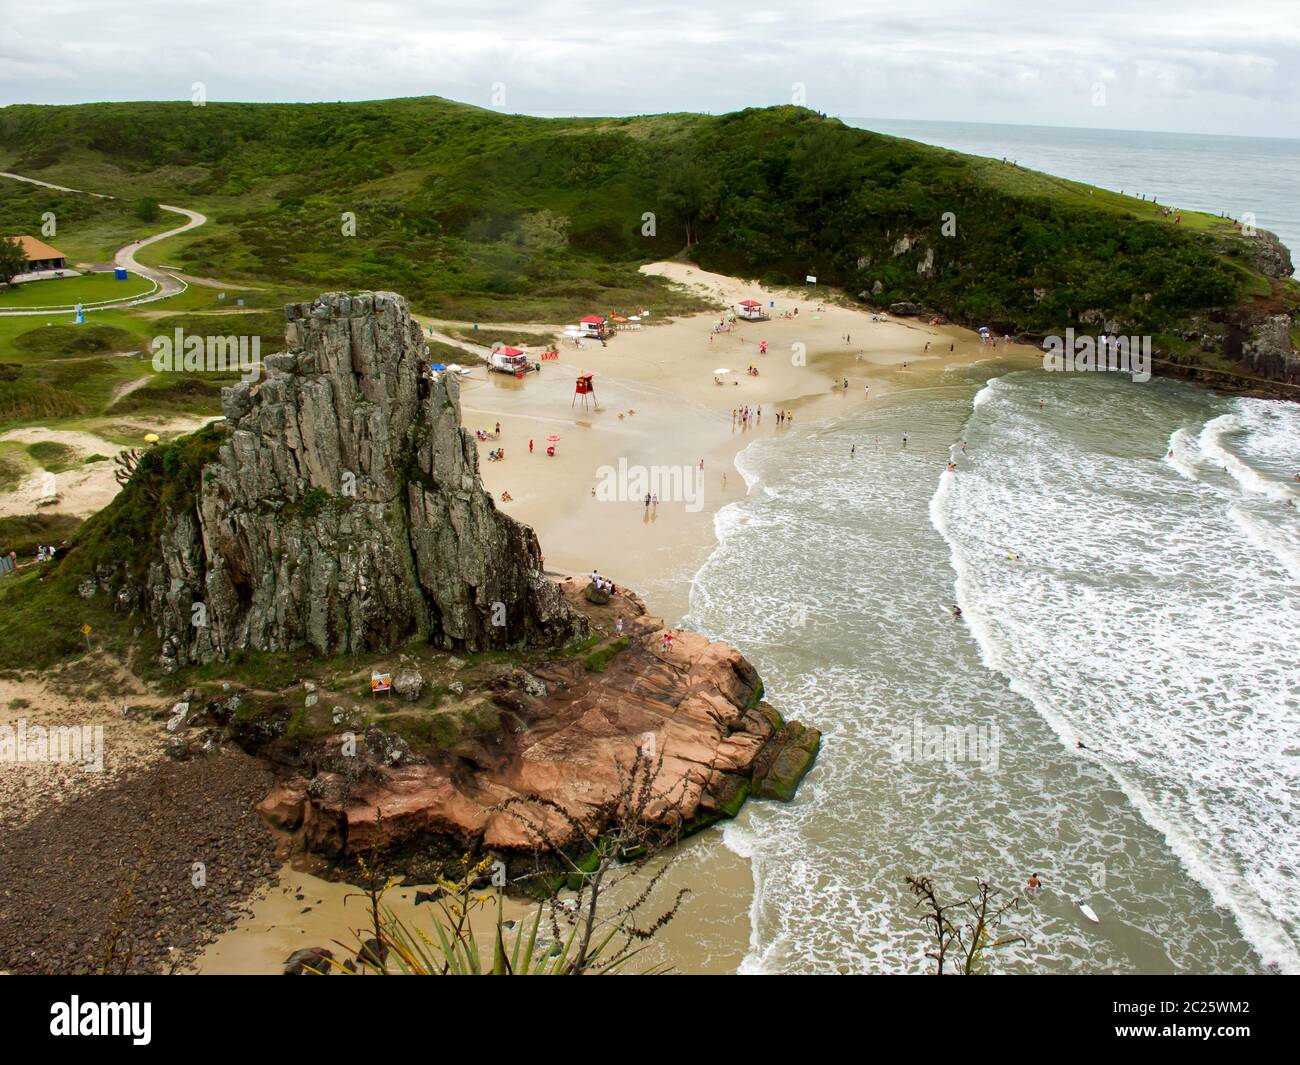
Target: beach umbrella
{"x": 552, "y": 438}
{"x": 722, "y": 369}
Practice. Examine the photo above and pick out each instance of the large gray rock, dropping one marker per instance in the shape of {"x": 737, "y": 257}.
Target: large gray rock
{"x": 345, "y": 513}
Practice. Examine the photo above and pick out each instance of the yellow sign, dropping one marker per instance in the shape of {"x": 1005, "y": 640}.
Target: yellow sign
{"x": 380, "y": 682}
{"x": 85, "y": 630}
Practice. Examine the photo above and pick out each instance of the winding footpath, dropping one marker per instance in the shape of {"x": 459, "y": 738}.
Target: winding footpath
{"x": 165, "y": 284}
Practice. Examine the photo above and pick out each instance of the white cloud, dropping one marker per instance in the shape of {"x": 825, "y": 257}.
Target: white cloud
{"x": 1181, "y": 64}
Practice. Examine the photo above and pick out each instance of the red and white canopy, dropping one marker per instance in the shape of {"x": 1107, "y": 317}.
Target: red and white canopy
{"x": 749, "y": 303}
{"x": 512, "y": 352}
{"x": 593, "y": 319}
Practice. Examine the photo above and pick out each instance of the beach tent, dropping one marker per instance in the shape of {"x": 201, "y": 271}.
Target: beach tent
{"x": 752, "y": 311}
{"x": 592, "y": 326}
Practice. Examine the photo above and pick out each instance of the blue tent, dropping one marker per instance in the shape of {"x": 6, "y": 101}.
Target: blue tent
{"x": 437, "y": 366}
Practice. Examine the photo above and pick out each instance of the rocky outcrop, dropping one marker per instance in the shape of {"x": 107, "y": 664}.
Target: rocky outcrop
{"x": 344, "y": 511}
{"x": 1270, "y": 255}
{"x": 693, "y": 708}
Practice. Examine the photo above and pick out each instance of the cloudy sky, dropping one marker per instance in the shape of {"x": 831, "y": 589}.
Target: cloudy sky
{"x": 1183, "y": 65}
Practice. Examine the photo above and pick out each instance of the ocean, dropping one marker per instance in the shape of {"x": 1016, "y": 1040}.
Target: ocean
{"x": 1126, "y": 557}
{"x": 1215, "y": 174}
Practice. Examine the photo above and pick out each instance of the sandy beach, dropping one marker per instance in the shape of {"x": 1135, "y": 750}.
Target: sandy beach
{"x": 660, "y": 378}
{"x": 664, "y": 373}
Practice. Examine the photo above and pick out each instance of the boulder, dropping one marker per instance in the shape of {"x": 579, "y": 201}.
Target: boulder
{"x": 408, "y": 683}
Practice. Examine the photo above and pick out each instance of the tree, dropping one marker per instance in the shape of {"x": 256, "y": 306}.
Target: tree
{"x": 971, "y": 941}
{"x": 13, "y": 260}
{"x": 691, "y": 190}
{"x": 146, "y": 210}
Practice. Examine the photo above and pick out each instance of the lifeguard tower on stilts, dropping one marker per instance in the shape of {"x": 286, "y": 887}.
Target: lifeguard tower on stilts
{"x": 585, "y": 387}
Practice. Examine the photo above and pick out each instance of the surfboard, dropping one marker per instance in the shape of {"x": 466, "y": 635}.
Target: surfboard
{"x": 1088, "y": 912}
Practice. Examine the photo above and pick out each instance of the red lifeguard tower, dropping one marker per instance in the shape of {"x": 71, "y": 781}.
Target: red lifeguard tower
{"x": 584, "y": 386}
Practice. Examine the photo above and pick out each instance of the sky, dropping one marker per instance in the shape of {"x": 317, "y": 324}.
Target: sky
{"x": 1177, "y": 65}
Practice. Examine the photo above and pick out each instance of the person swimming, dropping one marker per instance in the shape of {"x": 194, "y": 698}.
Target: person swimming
{"x": 956, "y": 611}
{"x": 1034, "y": 886}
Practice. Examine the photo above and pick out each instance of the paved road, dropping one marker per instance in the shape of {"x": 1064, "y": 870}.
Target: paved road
{"x": 168, "y": 284}
{"x": 126, "y": 256}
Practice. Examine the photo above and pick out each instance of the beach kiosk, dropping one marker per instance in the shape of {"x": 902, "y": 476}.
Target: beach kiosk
{"x": 750, "y": 311}
{"x": 584, "y": 387}
{"x": 510, "y": 360}
{"x": 592, "y": 326}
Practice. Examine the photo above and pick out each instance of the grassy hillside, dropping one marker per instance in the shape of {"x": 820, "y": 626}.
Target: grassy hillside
{"x": 476, "y": 215}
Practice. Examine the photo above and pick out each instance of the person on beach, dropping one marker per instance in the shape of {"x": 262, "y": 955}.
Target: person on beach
{"x": 1034, "y": 886}
{"x": 530, "y": 447}
{"x": 647, "y": 501}
{"x": 618, "y": 625}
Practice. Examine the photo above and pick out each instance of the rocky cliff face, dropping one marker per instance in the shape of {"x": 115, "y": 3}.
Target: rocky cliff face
{"x": 345, "y": 513}
{"x": 558, "y": 739}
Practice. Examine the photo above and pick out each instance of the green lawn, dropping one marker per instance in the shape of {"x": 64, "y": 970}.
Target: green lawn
{"x": 88, "y": 288}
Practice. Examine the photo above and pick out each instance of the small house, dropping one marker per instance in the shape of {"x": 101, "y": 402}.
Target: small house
{"x": 750, "y": 311}
{"x": 592, "y": 326}
{"x": 39, "y": 255}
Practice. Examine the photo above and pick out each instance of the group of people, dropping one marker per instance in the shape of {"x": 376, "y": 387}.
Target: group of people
{"x": 743, "y": 416}
{"x": 604, "y": 584}
{"x": 496, "y": 454}
{"x": 44, "y": 553}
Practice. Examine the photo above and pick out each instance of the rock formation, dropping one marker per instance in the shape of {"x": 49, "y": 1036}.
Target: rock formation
{"x": 562, "y": 734}
{"x": 344, "y": 512}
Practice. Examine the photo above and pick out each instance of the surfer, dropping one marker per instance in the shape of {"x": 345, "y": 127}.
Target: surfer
{"x": 956, "y": 611}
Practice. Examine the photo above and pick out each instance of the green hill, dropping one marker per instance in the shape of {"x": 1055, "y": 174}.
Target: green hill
{"x": 477, "y": 215}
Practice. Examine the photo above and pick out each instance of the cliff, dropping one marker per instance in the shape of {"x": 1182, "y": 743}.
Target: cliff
{"x": 338, "y": 519}
{"x": 344, "y": 511}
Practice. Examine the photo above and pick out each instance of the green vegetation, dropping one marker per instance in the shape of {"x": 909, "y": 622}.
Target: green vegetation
{"x": 24, "y": 532}
{"x": 87, "y": 229}
{"x": 43, "y": 614}
{"x": 68, "y": 291}
{"x": 478, "y": 216}
{"x": 65, "y": 341}
{"x": 54, "y": 457}
{"x": 598, "y": 660}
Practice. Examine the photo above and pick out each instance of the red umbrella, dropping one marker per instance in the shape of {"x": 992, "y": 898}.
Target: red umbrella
{"x": 552, "y": 438}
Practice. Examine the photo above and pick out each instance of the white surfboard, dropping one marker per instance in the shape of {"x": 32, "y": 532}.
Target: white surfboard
{"x": 1088, "y": 912}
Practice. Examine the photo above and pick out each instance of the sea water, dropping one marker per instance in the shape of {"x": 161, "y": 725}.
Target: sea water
{"x": 1234, "y": 176}
{"x": 1142, "y": 603}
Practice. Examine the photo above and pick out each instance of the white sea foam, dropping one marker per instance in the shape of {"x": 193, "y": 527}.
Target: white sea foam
{"x": 1160, "y": 637}
{"x": 837, "y": 590}
{"x": 1212, "y": 443}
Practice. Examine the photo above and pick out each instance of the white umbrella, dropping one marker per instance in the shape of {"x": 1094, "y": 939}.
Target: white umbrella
{"x": 722, "y": 369}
